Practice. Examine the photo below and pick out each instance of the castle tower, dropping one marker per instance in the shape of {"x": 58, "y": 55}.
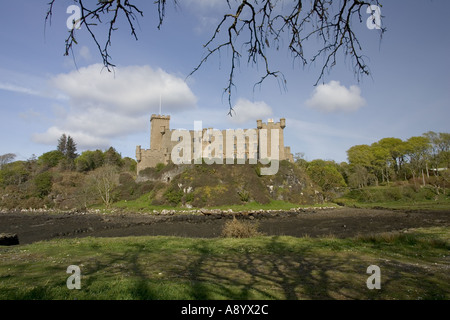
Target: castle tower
{"x": 159, "y": 124}
{"x": 272, "y": 125}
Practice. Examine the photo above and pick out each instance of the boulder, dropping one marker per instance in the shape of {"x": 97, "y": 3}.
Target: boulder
{"x": 8, "y": 239}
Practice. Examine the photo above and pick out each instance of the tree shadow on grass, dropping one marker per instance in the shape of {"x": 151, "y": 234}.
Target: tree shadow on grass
{"x": 248, "y": 274}
{"x": 269, "y": 269}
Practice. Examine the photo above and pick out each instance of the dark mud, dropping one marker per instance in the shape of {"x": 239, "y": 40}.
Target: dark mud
{"x": 340, "y": 222}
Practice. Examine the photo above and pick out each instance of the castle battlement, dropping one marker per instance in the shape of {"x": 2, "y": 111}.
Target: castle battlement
{"x": 159, "y": 116}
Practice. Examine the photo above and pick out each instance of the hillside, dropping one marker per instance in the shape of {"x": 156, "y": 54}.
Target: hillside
{"x": 217, "y": 185}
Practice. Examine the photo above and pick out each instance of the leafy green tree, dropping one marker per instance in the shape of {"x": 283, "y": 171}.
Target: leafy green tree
{"x": 361, "y": 155}
{"x": 418, "y": 151}
{"x": 397, "y": 151}
{"x": 50, "y": 159}
{"x": 359, "y": 177}
{"x": 89, "y": 160}
{"x": 112, "y": 157}
{"x": 326, "y": 175}
{"x": 344, "y": 169}
{"x": 439, "y": 149}
{"x": 380, "y": 162}
{"x": 14, "y": 173}
{"x": 43, "y": 184}
{"x": 444, "y": 150}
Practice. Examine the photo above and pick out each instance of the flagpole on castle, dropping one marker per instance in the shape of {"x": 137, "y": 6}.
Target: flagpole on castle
{"x": 160, "y": 104}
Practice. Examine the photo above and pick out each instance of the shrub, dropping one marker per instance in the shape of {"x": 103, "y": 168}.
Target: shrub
{"x": 393, "y": 194}
{"x": 159, "y": 166}
{"x": 43, "y": 184}
{"x": 428, "y": 193}
{"x": 50, "y": 159}
{"x": 189, "y": 197}
{"x": 173, "y": 196}
{"x": 240, "y": 229}
{"x": 244, "y": 195}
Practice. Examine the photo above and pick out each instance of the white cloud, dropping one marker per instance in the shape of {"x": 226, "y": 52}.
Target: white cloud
{"x": 18, "y": 89}
{"x": 333, "y": 97}
{"x": 132, "y": 90}
{"x": 82, "y": 139}
{"x": 85, "y": 53}
{"x": 105, "y": 105}
{"x": 245, "y": 111}
{"x": 206, "y": 4}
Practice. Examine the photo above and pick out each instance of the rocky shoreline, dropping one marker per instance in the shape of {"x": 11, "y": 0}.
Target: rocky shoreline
{"x": 170, "y": 212}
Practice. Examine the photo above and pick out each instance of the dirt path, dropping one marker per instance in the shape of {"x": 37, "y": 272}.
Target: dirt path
{"x": 341, "y": 222}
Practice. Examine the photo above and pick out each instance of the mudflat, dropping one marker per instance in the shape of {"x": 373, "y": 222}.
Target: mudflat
{"x": 339, "y": 222}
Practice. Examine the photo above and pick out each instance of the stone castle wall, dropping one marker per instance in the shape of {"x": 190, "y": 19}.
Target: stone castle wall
{"x": 161, "y": 145}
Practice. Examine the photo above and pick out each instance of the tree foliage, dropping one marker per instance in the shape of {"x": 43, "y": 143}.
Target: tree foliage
{"x": 90, "y": 160}
{"x": 71, "y": 149}
{"x": 6, "y": 158}
{"x": 326, "y": 175}
{"x": 68, "y": 147}
{"x": 62, "y": 144}
{"x": 43, "y": 184}
{"x": 392, "y": 158}
{"x": 51, "y": 159}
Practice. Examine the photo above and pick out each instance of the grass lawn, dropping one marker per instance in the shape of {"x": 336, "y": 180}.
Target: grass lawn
{"x": 396, "y": 197}
{"x": 403, "y": 205}
{"x": 413, "y": 265}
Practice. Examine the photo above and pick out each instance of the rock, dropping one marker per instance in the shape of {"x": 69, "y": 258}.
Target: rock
{"x": 8, "y": 239}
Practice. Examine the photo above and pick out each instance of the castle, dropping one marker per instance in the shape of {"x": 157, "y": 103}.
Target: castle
{"x": 162, "y": 144}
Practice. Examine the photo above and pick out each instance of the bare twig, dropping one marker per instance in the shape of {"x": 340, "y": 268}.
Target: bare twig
{"x": 257, "y": 26}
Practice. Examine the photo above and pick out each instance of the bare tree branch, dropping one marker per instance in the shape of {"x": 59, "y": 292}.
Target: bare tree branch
{"x": 255, "y": 26}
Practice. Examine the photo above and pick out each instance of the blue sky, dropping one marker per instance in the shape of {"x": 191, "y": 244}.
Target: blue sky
{"x": 43, "y": 94}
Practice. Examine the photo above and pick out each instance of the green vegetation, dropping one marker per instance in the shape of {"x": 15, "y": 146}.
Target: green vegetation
{"x": 413, "y": 266}
{"x": 62, "y": 179}
{"x": 400, "y": 196}
{"x": 388, "y": 173}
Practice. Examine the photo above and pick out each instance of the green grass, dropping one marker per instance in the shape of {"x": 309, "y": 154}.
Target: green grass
{"x": 273, "y": 205}
{"x": 413, "y": 266}
{"x": 399, "y": 205}
{"x": 143, "y": 204}
{"x": 403, "y": 197}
